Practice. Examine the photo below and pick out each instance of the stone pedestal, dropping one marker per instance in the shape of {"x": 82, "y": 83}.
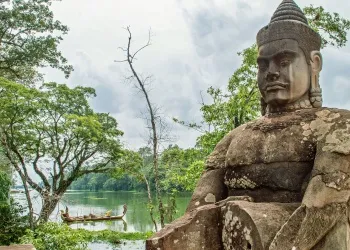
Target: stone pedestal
{"x": 234, "y": 225}
{"x": 249, "y": 225}
{"x": 243, "y": 225}
{"x": 196, "y": 230}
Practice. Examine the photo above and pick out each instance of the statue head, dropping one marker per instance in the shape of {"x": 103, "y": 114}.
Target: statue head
{"x": 289, "y": 61}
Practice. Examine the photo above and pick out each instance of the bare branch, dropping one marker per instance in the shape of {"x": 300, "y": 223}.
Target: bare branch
{"x": 143, "y": 47}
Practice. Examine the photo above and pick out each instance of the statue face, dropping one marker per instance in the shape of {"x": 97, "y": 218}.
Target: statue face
{"x": 284, "y": 75}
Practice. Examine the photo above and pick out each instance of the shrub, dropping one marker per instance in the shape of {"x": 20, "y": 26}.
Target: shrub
{"x": 12, "y": 223}
{"x": 54, "y": 236}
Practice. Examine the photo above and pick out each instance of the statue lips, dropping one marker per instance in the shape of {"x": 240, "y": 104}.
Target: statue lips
{"x": 273, "y": 86}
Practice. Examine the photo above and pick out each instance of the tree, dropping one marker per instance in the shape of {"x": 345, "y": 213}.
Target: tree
{"x": 29, "y": 38}
{"x": 5, "y": 184}
{"x": 156, "y": 126}
{"x": 12, "y": 222}
{"x": 53, "y": 135}
{"x": 240, "y": 102}
{"x": 137, "y": 164}
{"x": 181, "y": 167}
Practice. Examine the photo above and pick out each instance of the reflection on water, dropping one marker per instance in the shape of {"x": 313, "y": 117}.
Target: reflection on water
{"x": 137, "y": 218}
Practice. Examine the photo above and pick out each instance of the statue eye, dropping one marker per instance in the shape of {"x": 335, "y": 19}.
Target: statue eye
{"x": 262, "y": 67}
{"x": 285, "y": 62}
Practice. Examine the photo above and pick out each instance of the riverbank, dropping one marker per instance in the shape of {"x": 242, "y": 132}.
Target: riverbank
{"x": 61, "y": 236}
{"x": 107, "y": 235}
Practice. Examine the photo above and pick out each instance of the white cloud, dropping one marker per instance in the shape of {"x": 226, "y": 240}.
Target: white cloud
{"x": 194, "y": 47}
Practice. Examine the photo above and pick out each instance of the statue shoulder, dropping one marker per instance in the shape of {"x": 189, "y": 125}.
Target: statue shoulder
{"x": 217, "y": 158}
{"x": 344, "y": 113}
{"x": 332, "y": 127}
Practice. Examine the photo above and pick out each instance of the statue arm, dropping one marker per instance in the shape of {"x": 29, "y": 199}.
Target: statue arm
{"x": 325, "y": 202}
{"x": 326, "y": 197}
{"x": 210, "y": 187}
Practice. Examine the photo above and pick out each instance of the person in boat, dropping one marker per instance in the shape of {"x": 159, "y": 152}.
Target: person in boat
{"x": 65, "y": 214}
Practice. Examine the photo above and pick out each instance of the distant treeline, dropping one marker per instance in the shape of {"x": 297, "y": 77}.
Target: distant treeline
{"x": 106, "y": 182}
{"x": 179, "y": 170}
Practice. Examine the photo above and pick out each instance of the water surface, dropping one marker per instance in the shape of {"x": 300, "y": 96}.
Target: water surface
{"x": 137, "y": 218}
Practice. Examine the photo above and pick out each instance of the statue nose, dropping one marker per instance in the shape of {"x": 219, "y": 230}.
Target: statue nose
{"x": 272, "y": 76}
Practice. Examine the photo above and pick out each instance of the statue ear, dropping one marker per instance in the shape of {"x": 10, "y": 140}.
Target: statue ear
{"x": 315, "y": 89}
{"x": 316, "y": 61}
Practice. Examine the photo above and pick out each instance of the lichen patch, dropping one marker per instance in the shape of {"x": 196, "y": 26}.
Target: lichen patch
{"x": 337, "y": 180}
{"x": 323, "y": 114}
{"x": 338, "y": 141}
{"x": 243, "y": 182}
{"x": 210, "y": 198}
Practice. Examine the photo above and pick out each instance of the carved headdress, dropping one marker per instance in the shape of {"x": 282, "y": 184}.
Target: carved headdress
{"x": 289, "y": 22}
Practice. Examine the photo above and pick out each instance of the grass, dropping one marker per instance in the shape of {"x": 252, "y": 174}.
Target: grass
{"x": 113, "y": 236}
{"x": 55, "y": 236}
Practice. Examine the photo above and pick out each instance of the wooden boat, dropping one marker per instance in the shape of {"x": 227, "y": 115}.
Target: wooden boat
{"x": 91, "y": 217}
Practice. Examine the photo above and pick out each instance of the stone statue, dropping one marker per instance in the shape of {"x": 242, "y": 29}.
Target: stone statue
{"x": 281, "y": 182}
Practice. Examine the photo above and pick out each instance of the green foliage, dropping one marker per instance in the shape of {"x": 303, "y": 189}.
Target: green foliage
{"x": 332, "y": 28}
{"x": 12, "y": 222}
{"x": 53, "y": 236}
{"x": 235, "y": 106}
{"x": 29, "y": 38}
{"x": 240, "y": 101}
{"x": 130, "y": 163}
{"x": 5, "y": 184}
{"x": 181, "y": 168}
{"x": 192, "y": 173}
{"x": 113, "y": 236}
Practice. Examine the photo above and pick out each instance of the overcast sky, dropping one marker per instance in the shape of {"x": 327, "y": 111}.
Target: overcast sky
{"x": 194, "y": 46}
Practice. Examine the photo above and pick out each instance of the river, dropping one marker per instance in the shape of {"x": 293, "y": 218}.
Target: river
{"x": 137, "y": 218}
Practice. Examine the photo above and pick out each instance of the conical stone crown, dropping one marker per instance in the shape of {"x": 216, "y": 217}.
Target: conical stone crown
{"x": 289, "y": 10}
{"x": 289, "y": 22}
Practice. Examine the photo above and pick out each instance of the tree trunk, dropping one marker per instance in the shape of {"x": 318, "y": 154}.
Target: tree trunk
{"x": 150, "y": 202}
{"x": 29, "y": 201}
{"x": 153, "y": 118}
{"x": 158, "y": 192}
{"x": 48, "y": 206}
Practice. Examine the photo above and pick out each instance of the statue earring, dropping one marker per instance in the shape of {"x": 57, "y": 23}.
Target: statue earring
{"x": 315, "y": 89}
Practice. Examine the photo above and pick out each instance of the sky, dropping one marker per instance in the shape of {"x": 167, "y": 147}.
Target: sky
{"x": 194, "y": 46}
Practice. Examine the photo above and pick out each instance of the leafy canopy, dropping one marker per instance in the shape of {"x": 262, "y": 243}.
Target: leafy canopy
{"x": 29, "y": 38}
{"x": 54, "y": 132}
{"x": 181, "y": 168}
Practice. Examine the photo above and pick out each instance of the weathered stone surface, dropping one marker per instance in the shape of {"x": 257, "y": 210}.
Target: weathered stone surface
{"x": 276, "y": 176}
{"x": 210, "y": 189}
{"x": 272, "y": 140}
{"x": 248, "y": 225}
{"x": 268, "y": 195}
{"x": 217, "y": 159}
{"x": 313, "y": 228}
{"x": 197, "y": 230}
{"x": 231, "y": 225}
{"x": 336, "y": 239}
